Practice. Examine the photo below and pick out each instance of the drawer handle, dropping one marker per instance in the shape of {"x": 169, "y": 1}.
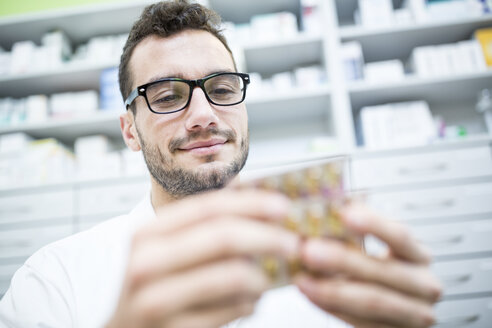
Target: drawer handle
{"x": 443, "y": 241}
{"x": 457, "y": 279}
{"x": 457, "y": 321}
{"x": 446, "y": 203}
{"x": 437, "y": 168}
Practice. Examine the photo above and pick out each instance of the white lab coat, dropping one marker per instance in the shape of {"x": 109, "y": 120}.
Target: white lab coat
{"x": 76, "y": 282}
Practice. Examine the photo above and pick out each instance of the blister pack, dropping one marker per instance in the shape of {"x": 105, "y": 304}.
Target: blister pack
{"x": 317, "y": 191}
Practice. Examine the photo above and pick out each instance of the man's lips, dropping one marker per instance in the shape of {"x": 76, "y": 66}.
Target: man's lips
{"x": 204, "y": 147}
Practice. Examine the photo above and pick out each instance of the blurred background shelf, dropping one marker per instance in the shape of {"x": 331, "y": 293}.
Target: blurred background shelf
{"x": 448, "y": 89}
{"x": 376, "y": 42}
{"x": 80, "y": 22}
{"x": 66, "y": 78}
{"x": 67, "y": 130}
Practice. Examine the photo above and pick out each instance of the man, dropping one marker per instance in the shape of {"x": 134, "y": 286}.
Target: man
{"x": 179, "y": 261}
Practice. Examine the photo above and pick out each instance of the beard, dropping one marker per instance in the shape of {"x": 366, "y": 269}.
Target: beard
{"x": 179, "y": 182}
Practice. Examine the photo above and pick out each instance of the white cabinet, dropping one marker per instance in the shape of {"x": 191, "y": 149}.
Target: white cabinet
{"x": 427, "y": 167}
{"x": 444, "y": 194}
{"x": 21, "y": 243}
{"x": 110, "y": 200}
{"x": 436, "y": 202}
{"x": 27, "y": 207}
{"x": 470, "y": 313}
{"x": 465, "y": 276}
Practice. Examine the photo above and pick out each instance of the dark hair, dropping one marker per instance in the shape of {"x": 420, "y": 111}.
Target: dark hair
{"x": 165, "y": 19}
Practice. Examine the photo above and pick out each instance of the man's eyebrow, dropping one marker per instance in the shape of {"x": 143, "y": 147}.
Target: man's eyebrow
{"x": 181, "y": 76}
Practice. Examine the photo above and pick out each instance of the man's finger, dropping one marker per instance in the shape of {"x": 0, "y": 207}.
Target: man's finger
{"x": 210, "y": 284}
{"x": 332, "y": 257}
{"x": 250, "y": 203}
{"x": 367, "y": 302}
{"x": 363, "y": 220}
{"x": 211, "y": 241}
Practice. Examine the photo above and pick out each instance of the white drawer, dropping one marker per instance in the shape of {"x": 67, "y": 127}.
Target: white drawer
{"x": 36, "y": 206}
{"x": 6, "y": 273}
{"x": 22, "y": 243}
{"x": 456, "y": 238}
{"x": 471, "y": 313}
{"x": 434, "y": 202}
{"x": 428, "y": 167}
{"x": 465, "y": 276}
{"x": 112, "y": 200}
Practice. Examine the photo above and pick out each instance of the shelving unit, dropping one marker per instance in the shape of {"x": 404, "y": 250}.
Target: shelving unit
{"x": 284, "y": 125}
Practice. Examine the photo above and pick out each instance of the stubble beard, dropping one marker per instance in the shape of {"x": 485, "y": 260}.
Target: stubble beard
{"x": 179, "y": 182}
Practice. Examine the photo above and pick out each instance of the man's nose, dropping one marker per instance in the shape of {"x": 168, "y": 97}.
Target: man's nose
{"x": 200, "y": 114}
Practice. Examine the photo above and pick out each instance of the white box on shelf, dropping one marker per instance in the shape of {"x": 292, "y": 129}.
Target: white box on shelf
{"x": 376, "y": 13}
{"x": 22, "y": 57}
{"x": 92, "y": 146}
{"x": 37, "y": 109}
{"x": 283, "y": 82}
{"x": 309, "y": 76}
{"x": 53, "y": 162}
{"x": 419, "y": 61}
{"x": 397, "y": 125}
{"x": 353, "y": 60}
{"x": 384, "y": 71}
{"x": 403, "y": 17}
{"x": 14, "y": 143}
{"x": 99, "y": 166}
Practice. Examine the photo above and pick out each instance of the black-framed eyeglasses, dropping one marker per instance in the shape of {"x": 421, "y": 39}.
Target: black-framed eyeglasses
{"x": 171, "y": 95}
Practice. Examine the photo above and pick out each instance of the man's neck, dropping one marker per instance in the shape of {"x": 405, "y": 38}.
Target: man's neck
{"x": 159, "y": 197}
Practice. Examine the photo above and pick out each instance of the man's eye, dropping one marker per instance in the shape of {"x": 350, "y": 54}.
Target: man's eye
{"x": 221, "y": 91}
{"x": 169, "y": 98}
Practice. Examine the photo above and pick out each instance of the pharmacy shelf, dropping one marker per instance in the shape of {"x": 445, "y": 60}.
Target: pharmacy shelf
{"x": 80, "y": 23}
{"x": 274, "y": 56}
{"x": 293, "y": 105}
{"x": 447, "y": 89}
{"x": 68, "y": 130}
{"x": 242, "y": 11}
{"x": 67, "y": 78}
{"x": 375, "y": 42}
{"x": 346, "y": 8}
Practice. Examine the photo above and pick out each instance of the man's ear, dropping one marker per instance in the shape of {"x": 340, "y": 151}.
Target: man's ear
{"x": 129, "y": 131}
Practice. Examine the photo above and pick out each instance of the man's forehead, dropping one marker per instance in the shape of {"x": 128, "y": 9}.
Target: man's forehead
{"x": 190, "y": 54}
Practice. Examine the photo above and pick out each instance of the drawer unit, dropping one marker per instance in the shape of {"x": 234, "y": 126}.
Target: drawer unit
{"x": 465, "y": 276}
{"x": 111, "y": 200}
{"x": 472, "y": 313}
{"x": 425, "y": 167}
{"x": 463, "y": 200}
{"x": 21, "y": 243}
{"x": 456, "y": 238}
{"x": 36, "y": 206}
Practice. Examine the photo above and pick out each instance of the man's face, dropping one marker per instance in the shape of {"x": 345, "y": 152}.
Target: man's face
{"x": 203, "y": 146}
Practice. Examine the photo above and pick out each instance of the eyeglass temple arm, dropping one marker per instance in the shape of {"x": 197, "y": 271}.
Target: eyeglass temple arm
{"x": 131, "y": 98}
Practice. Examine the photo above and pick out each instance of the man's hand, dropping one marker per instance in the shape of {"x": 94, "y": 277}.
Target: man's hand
{"x": 396, "y": 290}
{"x": 192, "y": 266}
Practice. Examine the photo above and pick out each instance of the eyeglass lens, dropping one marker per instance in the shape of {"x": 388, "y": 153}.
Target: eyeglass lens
{"x": 168, "y": 96}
